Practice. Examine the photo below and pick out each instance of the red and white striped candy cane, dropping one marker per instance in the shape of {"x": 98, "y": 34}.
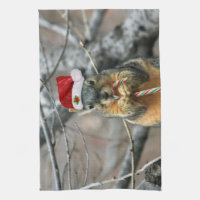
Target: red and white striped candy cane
{"x": 148, "y": 91}
{"x": 137, "y": 94}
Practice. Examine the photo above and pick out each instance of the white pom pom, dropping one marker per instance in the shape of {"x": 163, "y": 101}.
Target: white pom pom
{"x": 76, "y": 75}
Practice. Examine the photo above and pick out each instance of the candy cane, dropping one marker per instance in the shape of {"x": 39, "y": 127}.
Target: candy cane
{"x": 118, "y": 82}
{"x": 137, "y": 94}
{"x": 148, "y": 91}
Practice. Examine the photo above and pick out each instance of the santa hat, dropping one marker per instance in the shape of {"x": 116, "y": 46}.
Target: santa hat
{"x": 69, "y": 89}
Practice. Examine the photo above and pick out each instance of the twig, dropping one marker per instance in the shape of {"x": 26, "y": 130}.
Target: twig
{"x": 95, "y": 22}
{"x": 105, "y": 182}
{"x": 72, "y": 26}
{"x": 97, "y": 136}
{"x": 58, "y": 29}
{"x": 78, "y": 33}
{"x": 113, "y": 147}
{"x": 120, "y": 178}
{"x": 82, "y": 44}
{"x": 44, "y": 56}
{"x": 85, "y": 22}
{"x": 44, "y": 23}
{"x": 64, "y": 14}
{"x": 64, "y": 132}
{"x": 47, "y": 67}
{"x": 86, "y": 152}
{"x": 53, "y": 140}
{"x": 51, "y": 150}
{"x": 63, "y": 175}
{"x": 85, "y": 112}
{"x": 61, "y": 55}
{"x": 140, "y": 134}
{"x": 65, "y": 166}
{"x": 50, "y": 113}
{"x": 88, "y": 53}
{"x": 132, "y": 151}
{"x": 147, "y": 165}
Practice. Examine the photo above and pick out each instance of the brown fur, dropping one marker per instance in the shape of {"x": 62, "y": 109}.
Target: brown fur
{"x": 141, "y": 75}
{"x": 152, "y": 102}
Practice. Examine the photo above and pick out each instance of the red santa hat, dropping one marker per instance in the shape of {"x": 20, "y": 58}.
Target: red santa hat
{"x": 69, "y": 89}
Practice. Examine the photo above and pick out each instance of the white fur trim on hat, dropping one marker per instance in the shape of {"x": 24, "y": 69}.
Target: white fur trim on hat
{"x": 77, "y": 88}
{"x": 76, "y": 75}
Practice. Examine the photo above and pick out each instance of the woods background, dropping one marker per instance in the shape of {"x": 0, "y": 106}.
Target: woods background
{"x": 97, "y": 148}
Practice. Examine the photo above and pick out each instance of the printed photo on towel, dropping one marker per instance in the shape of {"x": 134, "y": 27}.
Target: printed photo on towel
{"x": 100, "y": 99}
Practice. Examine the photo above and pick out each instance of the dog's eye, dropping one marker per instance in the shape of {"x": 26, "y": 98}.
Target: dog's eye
{"x": 90, "y": 82}
{"x": 90, "y": 107}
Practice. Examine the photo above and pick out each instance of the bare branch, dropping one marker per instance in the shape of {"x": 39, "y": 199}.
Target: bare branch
{"x": 64, "y": 169}
{"x": 153, "y": 173}
{"x": 86, "y": 152}
{"x": 53, "y": 140}
{"x": 61, "y": 56}
{"x": 50, "y": 149}
{"x": 132, "y": 151}
{"x": 152, "y": 180}
{"x": 147, "y": 165}
{"x": 64, "y": 132}
{"x": 57, "y": 29}
{"x": 140, "y": 134}
{"x": 95, "y": 22}
{"x": 44, "y": 56}
{"x": 44, "y": 23}
{"x": 51, "y": 112}
{"x": 78, "y": 33}
{"x": 106, "y": 181}
{"x": 134, "y": 37}
{"x": 63, "y": 14}
{"x": 48, "y": 73}
{"x": 122, "y": 178}
{"x": 85, "y": 22}
{"x": 72, "y": 26}
{"x": 113, "y": 147}
{"x": 89, "y": 55}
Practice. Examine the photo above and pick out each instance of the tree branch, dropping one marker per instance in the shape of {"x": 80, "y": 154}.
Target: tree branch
{"x": 140, "y": 135}
{"x": 122, "y": 178}
{"x": 134, "y": 37}
{"x": 147, "y": 165}
{"x": 86, "y": 152}
{"x": 60, "y": 57}
{"x": 51, "y": 150}
{"x": 95, "y": 22}
{"x": 152, "y": 179}
{"x": 64, "y": 132}
{"x": 90, "y": 57}
{"x": 85, "y": 22}
{"x": 58, "y": 29}
{"x": 48, "y": 73}
{"x": 132, "y": 152}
